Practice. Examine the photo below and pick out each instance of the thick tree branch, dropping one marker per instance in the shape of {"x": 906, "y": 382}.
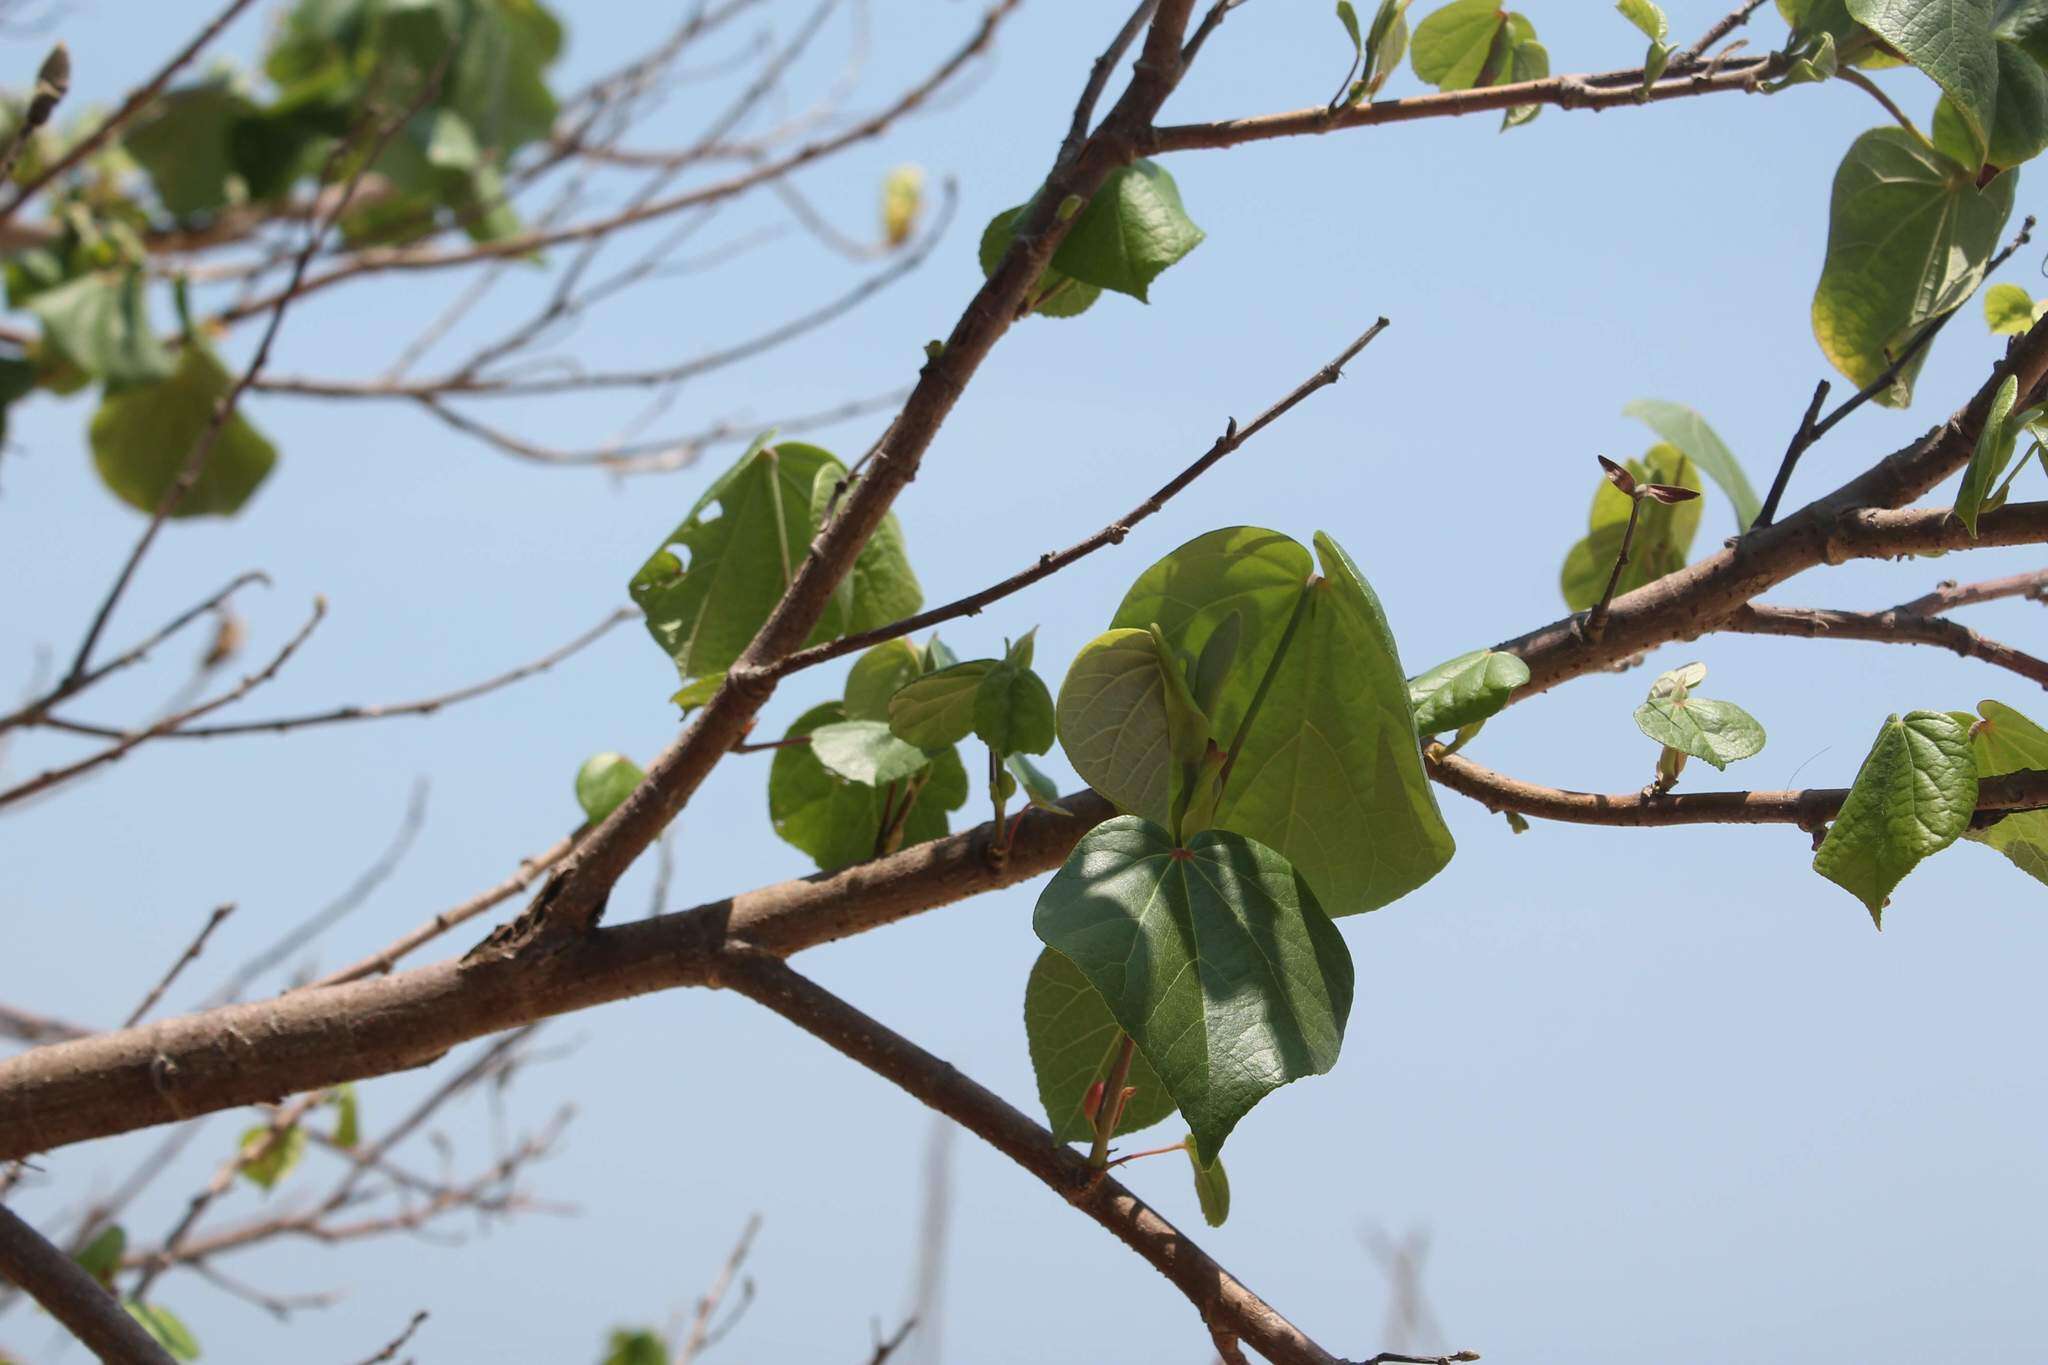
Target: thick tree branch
{"x": 1806, "y": 808}
{"x": 73, "y": 1297}
{"x": 1224, "y": 1303}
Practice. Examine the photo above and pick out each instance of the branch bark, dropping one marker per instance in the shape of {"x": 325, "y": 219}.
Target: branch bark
{"x": 73, "y": 1297}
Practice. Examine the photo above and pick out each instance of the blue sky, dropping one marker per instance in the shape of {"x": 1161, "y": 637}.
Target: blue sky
{"x": 1657, "y": 1095}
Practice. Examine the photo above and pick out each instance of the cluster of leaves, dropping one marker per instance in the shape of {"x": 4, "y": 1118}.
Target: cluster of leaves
{"x": 473, "y": 73}
{"x": 101, "y": 1258}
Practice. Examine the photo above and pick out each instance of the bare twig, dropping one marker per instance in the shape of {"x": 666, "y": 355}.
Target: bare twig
{"x": 707, "y": 1305}
{"x": 1948, "y": 596}
{"x": 397, "y": 1343}
{"x": 198, "y": 945}
{"x": 1897, "y": 626}
{"x": 24, "y": 1027}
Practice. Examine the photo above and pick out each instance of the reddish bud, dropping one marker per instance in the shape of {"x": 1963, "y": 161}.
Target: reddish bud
{"x": 1618, "y": 476}
{"x": 1091, "y": 1103}
{"x": 1668, "y": 493}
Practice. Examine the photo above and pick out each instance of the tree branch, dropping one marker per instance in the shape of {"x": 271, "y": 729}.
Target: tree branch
{"x": 1896, "y": 626}
{"x": 73, "y": 1297}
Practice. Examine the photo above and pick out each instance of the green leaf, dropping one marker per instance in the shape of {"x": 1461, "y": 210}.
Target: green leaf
{"x": 1664, "y": 533}
{"x": 1909, "y": 236}
{"x": 101, "y": 1257}
{"x": 1718, "y": 731}
{"x": 636, "y": 1347}
{"x": 1812, "y": 69}
{"x": 1074, "y": 1041}
{"x": 1644, "y": 16}
{"x": 1527, "y": 61}
{"x": 1913, "y": 796}
{"x": 1039, "y": 789}
{"x": 162, "y": 1324}
{"x": 698, "y": 692}
{"x": 1112, "y": 722}
{"x": 1214, "y": 958}
{"x": 1451, "y": 46}
{"x": 276, "y": 1163}
{"x": 1993, "y": 453}
{"x": 182, "y": 143}
{"x": 347, "y": 1116}
{"x": 1059, "y": 295}
{"x": 101, "y": 322}
{"x": 1465, "y": 690}
{"x": 1386, "y": 43}
{"x": 2007, "y": 742}
{"x": 1013, "y": 711}
{"x": 603, "y": 782}
{"x": 141, "y": 438}
{"x": 2019, "y": 121}
{"x": 938, "y": 709}
{"x": 1950, "y": 40}
{"x": 1684, "y": 428}
{"x": 877, "y": 675}
{"x": 704, "y": 612}
{"x": 865, "y": 751}
{"x": 837, "y": 822}
{"x": 1348, "y": 17}
{"x": 1133, "y": 229}
{"x": 2008, "y": 309}
{"x": 1212, "y": 1187}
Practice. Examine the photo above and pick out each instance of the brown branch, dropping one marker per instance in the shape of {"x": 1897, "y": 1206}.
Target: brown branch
{"x": 1112, "y": 534}
{"x": 1950, "y": 595}
{"x": 1896, "y": 626}
{"x": 73, "y": 1297}
{"x": 1223, "y": 1302}
{"x": 425, "y": 706}
{"x": 197, "y": 946}
{"x": 700, "y": 1335}
{"x": 1723, "y": 26}
{"x": 137, "y": 100}
{"x": 1807, "y": 808}
{"x": 24, "y": 1027}
{"x": 1609, "y": 90}
{"x": 397, "y": 1343}
{"x": 124, "y": 743}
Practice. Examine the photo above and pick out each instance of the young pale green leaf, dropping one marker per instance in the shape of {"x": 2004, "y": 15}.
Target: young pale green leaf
{"x": 1074, "y": 1041}
{"x": 1684, "y": 428}
{"x": 1386, "y": 43}
{"x": 1950, "y": 40}
{"x": 1215, "y": 958}
{"x": 348, "y": 1128}
{"x": 1465, "y": 690}
{"x": 278, "y": 1159}
{"x": 865, "y": 751}
{"x": 1013, "y": 711}
{"x": 1820, "y": 64}
{"x": 1330, "y": 774}
{"x": 603, "y": 782}
{"x": 1644, "y": 16}
{"x": 698, "y": 692}
{"x": 1112, "y": 722}
{"x": 1191, "y": 594}
{"x": 1913, "y": 797}
{"x": 1023, "y": 649}
{"x": 2008, "y": 309}
{"x": 166, "y": 1327}
{"x": 937, "y": 656}
{"x": 1993, "y": 453}
{"x": 1132, "y": 231}
{"x": 938, "y": 709}
{"x": 1212, "y": 1187}
{"x": 1348, "y": 17}
{"x": 2007, "y": 742}
{"x": 1528, "y": 60}
{"x": 838, "y": 822}
{"x": 902, "y": 200}
{"x": 141, "y": 438}
{"x": 878, "y": 675}
{"x": 100, "y": 322}
{"x": 1718, "y": 731}
{"x": 636, "y": 1346}
{"x": 101, "y": 1257}
{"x": 703, "y": 612}
{"x": 1909, "y": 236}
{"x": 1187, "y": 725}
{"x": 1039, "y": 788}
{"x": 1057, "y": 294}
{"x": 1664, "y": 532}
{"x": 1678, "y": 682}
{"x": 1451, "y": 46}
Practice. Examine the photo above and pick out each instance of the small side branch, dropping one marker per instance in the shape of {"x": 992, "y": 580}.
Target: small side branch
{"x": 1897, "y": 626}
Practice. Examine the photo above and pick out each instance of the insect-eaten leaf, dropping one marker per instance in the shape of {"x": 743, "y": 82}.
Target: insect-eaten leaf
{"x": 1913, "y": 797}
{"x": 603, "y": 782}
{"x": 1074, "y": 1042}
{"x": 1214, "y": 957}
{"x": 712, "y": 582}
{"x": 1465, "y": 690}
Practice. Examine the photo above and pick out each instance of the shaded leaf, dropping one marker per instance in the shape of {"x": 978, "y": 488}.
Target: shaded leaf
{"x": 141, "y": 438}
{"x": 1058, "y": 294}
{"x": 1212, "y": 1187}
{"x": 1450, "y": 47}
{"x": 101, "y": 323}
{"x": 838, "y": 822}
{"x": 101, "y": 1257}
{"x": 1214, "y": 958}
{"x": 1039, "y": 789}
{"x": 636, "y": 1347}
{"x": 1386, "y": 43}
{"x": 877, "y": 675}
{"x": 277, "y": 1162}
{"x": 1013, "y": 711}
{"x": 1664, "y": 534}
{"x": 1074, "y": 1041}
{"x": 182, "y": 143}
{"x": 1913, "y": 796}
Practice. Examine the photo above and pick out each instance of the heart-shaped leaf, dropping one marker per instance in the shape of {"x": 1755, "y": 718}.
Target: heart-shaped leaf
{"x": 143, "y": 435}
{"x": 1913, "y": 797}
{"x": 1074, "y": 1041}
{"x": 1214, "y": 958}
{"x": 878, "y": 675}
{"x": 1718, "y": 731}
{"x": 1113, "y": 725}
{"x": 1132, "y": 230}
{"x": 1013, "y": 711}
{"x": 938, "y": 709}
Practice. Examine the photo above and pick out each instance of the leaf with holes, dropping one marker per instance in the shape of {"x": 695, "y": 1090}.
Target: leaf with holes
{"x": 1215, "y": 958}
{"x": 1913, "y": 797}
{"x": 1465, "y": 690}
{"x": 1909, "y": 237}
{"x": 1074, "y": 1041}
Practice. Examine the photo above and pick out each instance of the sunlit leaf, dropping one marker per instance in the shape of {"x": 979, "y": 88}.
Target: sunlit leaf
{"x": 1465, "y": 690}
{"x": 1913, "y": 797}
{"x": 603, "y": 782}
{"x": 1132, "y": 230}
